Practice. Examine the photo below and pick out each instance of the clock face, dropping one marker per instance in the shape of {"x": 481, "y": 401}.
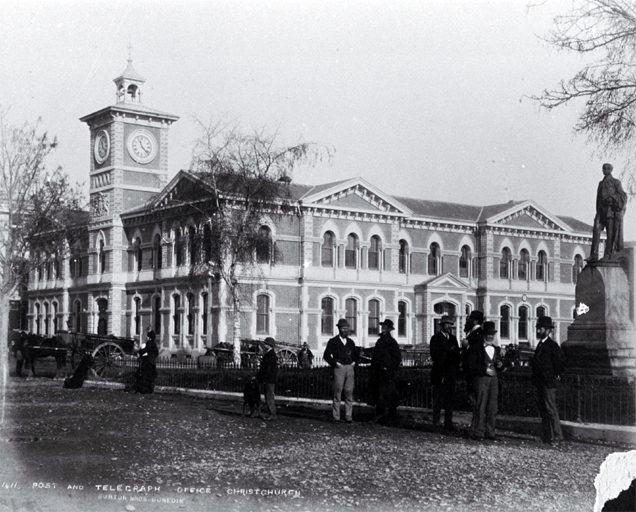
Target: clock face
{"x": 142, "y": 146}
{"x": 102, "y": 147}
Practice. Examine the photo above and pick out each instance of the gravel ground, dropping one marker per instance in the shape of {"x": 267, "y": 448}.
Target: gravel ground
{"x": 203, "y": 455}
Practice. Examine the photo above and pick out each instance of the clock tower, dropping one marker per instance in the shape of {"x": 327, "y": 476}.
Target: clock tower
{"x": 128, "y": 165}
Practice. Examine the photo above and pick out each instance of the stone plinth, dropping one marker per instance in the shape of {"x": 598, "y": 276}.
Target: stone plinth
{"x": 603, "y": 339}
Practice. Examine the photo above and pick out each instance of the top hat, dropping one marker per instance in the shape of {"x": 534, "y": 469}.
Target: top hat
{"x": 476, "y": 315}
{"x": 151, "y": 334}
{"x": 388, "y": 323}
{"x": 270, "y": 341}
{"x": 545, "y": 322}
{"x": 447, "y": 319}
{"x": 342, "y": 323}
{"x": 489, "y": 328}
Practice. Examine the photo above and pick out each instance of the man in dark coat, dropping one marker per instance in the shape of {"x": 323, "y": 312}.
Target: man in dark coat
{"x": 611, "y": 201}
{"x": 305, "y": 356}
{"x": 385, "y": 361}
{"x": 341, "y": 354}
{"x": 485, "y": 360}
{"x": 548, "y": 363}
{"x": 474, "y": 334}
{"x": 147, "y": 372}
{"x": 446, "y": 357}
{"x": 267, "y": 374}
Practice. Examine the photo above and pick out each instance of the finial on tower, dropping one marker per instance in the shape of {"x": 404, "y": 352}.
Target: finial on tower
{"x": 129, "y": 82}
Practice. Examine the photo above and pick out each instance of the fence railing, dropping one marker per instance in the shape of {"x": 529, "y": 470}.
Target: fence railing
{"x": 582, "y": 398}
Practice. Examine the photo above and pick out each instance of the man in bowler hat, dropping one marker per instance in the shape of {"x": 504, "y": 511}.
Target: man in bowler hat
{"x": 267, "y": 374}
{"x": 548, "y": 363}
{"x": 341, "y": 354}
{"x": 384, "y": 364}
{"x": 474, "y": 334}
{"x": 446, "y": 357}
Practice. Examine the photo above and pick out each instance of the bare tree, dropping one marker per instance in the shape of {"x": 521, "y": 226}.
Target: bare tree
{"x": 250, "y": 175}
{"x": 37, "y": 208}
{"x": 606, "y": 86}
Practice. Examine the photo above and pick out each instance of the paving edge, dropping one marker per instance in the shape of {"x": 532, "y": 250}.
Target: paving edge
{"x": 587, "y": 431}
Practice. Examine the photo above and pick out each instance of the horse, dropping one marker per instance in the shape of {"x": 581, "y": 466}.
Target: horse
{"x": 33, "y": 346}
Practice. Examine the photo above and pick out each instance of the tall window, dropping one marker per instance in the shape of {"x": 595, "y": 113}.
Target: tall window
{"x": 46, "y": 319}
{"x": 464, "y": 261}
{"x": 433, "y": 259}
{"x": 375, "y": 248}
{"x": 504, "y": 263}
{"x": 193, "y": 245}
{"x": 157, "y": 255}
{"x": 102, "y": 317}
{"x": 326, "y": 253}
{"x": 207, "y": 242}
{"x": 402, "y": 318}
{"x": 204, "y": 313}
{"x": 326, "y": 317}
{"x": 262, "y": 314}
{"x": 264, "y": 245}
{"x": 102, "y": 257}
{"x": 156, "y": 314}
{"x": 178, "y": 248}
{"x": 351, "y": 251}
{"x": 37, "y": 319}
{"x": 523, "y": 323}
{"x": 404, "y": 256}
{"x": 137, "y": 316}
{"x": 139, "y": 255}
{"x": 541, "y": 311}
{"x": 475, "y": 267}
{"x": 374, "y": 317}
{"x": 576, "y": 268}
{"x": 190, "y": 316}
{"x": 176, "y": 318}
{"x": 524, "y": 260}
{"x": 542, "y": 263}
{"x": 78, "y": 316}
{"x": 504, "y": 323}
{"x": 351, "y": 306}
{"x": 54, "y": 317}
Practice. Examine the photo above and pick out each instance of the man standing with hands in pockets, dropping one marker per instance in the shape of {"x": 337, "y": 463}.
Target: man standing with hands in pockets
{"x": 342, "y": 354}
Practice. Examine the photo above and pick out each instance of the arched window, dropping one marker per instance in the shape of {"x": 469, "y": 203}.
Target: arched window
{"x": 38, "y": 318}
{"x": 156, "y": 314}
{"x": 139, "y": 255}
{"x": 375, "y": 248}
{"x": 264, "y": 245}
{"x": 522, "y": 269}
{"x": 101, "y": 257}
{"x": 374, "y": 317}
{"x": 137, "y": 316}
{"x": 78, "y": 316}
{"x": 176, "y": 318}
{"x": 402, "y": 312}
{"x": 351, "y": 251}
{"x": 326, "y": 253}
{"x": 464, "y": 261}
{"x": 434, "y": 259}
{"x": 178, "y": 248}
{"x": 441, "y": 309}
{"x": 541, "y": 311}
{"x": 523, "y": 323}
{"x": 351, "y": 307}
{"x": 504, "y": 323}
{"x": 326, "y": 316}
{"x": 576, "y": 268}
{"x": 46, "y": 319}
{"x": 190, "y": 316}
{"x": 204, "y": 313}
{"x": 404, "y": 257}
{"x": 262, "y": 314}
{"x": 157, "y": 255}
{"x": 542, "y": 263}
{"x": 504, "y": 263}
{"x": 54, "y": 317}
{"x": 102, "y": 321}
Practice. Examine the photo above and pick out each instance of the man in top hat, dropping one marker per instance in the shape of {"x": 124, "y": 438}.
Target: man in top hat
{"x": 485, "y": 361}
{"x": 384, "y": 364}
{"x": 341, "y": 354}
{"x": 548, "y": 363}
{"x": 474, "y": 334}
{"x": 267, "y": 374}
{"x": 446, "y": 357}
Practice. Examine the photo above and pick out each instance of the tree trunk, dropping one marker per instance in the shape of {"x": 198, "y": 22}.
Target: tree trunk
{"x": 4, "y": 350}
{"x": 236, "y": 329}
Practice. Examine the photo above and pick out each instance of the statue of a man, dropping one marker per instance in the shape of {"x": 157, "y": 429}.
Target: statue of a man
{"x": 611, "y": 201}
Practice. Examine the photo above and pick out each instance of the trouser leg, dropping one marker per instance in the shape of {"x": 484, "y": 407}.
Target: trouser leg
{"x": 553, "y": 425}
{"x": 338, "y": 385}
{"x": 482, "y": 390}
{"x": 438, "y": 397}
{"x": 348, "y": 391}
{"x": 491, "y": 408}
{"x": 270, "y": 398}
{"x": 449, "y": 401}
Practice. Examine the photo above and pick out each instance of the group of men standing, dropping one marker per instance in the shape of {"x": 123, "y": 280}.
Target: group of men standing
{"x": 479, "y": 361}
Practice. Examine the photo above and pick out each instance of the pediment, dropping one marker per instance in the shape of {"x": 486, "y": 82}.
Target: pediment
{"x": 183, "y": 188}
{"x": 447, "y": 280}
{"x": 529, "y": 215}
{"x": 356, "y": 194}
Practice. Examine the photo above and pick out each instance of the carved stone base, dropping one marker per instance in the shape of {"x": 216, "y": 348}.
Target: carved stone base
{"x": 603, "y": 339}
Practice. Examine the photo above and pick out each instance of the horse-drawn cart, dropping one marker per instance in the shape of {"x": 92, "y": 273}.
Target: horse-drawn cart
{"x": 251, "y": 353}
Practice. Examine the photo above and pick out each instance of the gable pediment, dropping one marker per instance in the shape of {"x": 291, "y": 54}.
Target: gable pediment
{"x": 183, "y": 188}
{"x": 529, "y": 215}
{"x": 357, "y": 194}
{"x": 447, "y": 280}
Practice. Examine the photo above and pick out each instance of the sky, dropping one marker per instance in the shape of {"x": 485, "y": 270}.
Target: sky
{"x": 422, "y": 98}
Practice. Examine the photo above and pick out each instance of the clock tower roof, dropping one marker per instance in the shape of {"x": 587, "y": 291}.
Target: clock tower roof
{"x": 130, "y": 73}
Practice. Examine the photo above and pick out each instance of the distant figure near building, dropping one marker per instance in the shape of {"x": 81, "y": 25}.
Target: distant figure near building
{"x": 341, "y": 354}
{"x": 611, "y": 201}
{"x": 267, "y": 374}
{"x": 305, "y": 356}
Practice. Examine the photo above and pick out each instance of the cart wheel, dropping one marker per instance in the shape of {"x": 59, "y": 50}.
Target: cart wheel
{"x": 287, "y": 358}
{"x": 109, "y": 360}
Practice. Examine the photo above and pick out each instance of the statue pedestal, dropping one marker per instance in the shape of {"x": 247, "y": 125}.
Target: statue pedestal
{"x": 602, "y": 340}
